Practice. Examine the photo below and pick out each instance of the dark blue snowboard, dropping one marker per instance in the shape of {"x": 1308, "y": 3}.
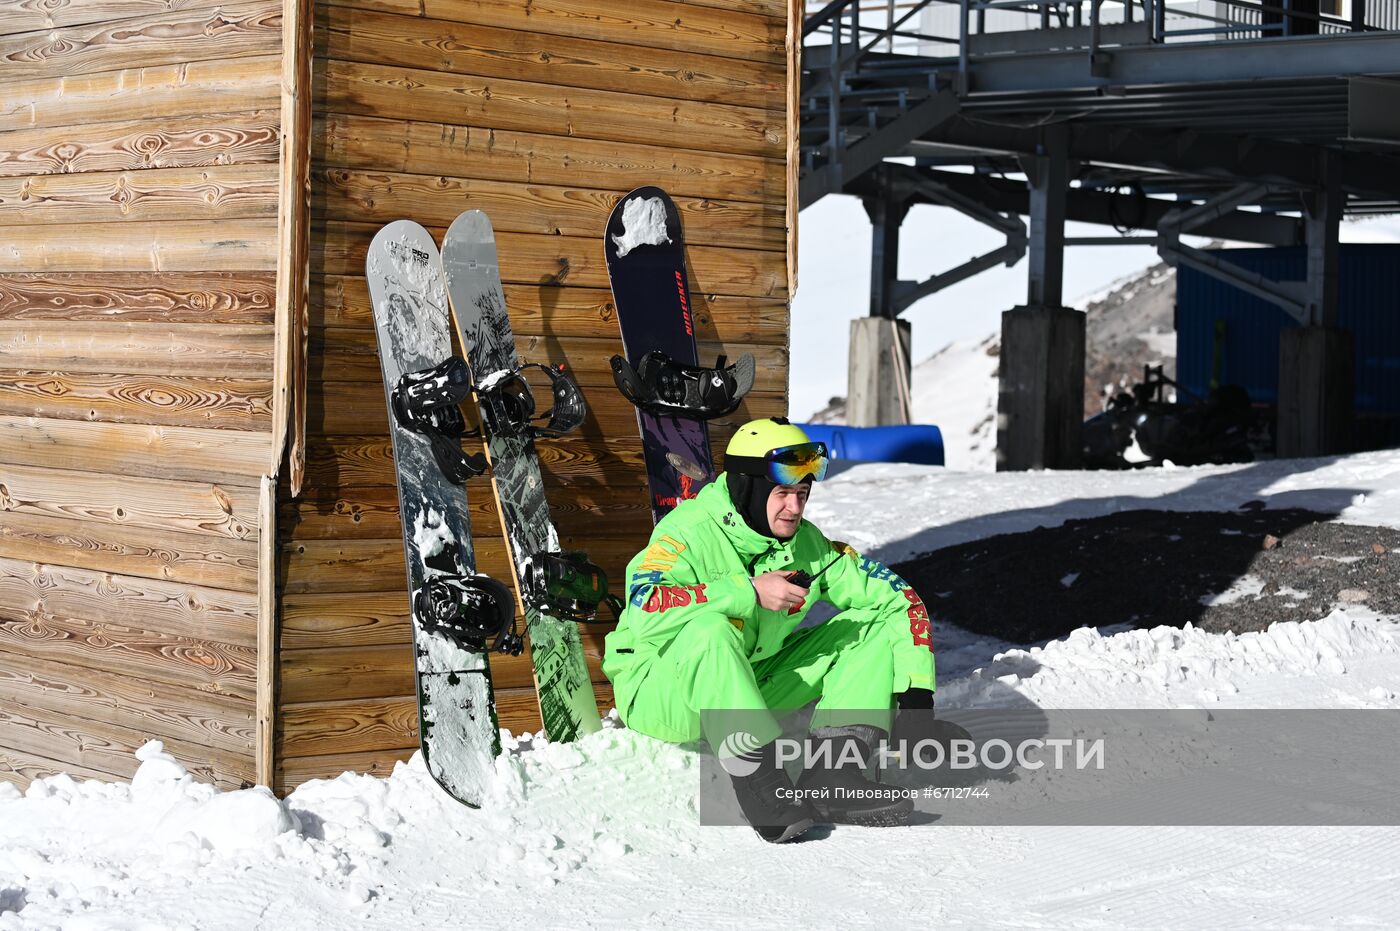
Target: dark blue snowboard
{"x": 646, "y": 266}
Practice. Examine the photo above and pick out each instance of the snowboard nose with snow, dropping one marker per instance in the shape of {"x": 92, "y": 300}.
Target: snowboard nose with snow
{"x": 567, "y": 704}
{"x": 458, "y": 731}
{"x": 646, "y": 267}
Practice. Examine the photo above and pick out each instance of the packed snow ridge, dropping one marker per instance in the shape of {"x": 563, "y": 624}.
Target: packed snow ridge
{"x": 605, "y": 832}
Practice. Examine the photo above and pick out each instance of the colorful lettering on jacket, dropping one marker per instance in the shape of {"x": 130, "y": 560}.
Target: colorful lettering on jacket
{"x": 881, "y": 574}
{"x": 641, "y": 583}
{"x": 662, "y": 555}
{"x": 918, "y": 619}
{"x": 674, "y": 596}
{"x": 919, "y": 626}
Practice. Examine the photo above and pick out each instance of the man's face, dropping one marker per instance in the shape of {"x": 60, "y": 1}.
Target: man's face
{"x": 785, "y": 506}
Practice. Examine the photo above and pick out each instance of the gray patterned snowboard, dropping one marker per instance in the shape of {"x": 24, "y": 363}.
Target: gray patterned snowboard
{"x": 567, "y": 705}
{"x": 458, "y": 732}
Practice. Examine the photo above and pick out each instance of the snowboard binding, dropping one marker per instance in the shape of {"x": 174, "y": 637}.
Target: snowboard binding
{"x": 508, "y": 403}
{"x": 661, "y": 385}
{"x": 566, "y": 585}
{"x": 469, "y": 610}
{"x": 426, "y": 402}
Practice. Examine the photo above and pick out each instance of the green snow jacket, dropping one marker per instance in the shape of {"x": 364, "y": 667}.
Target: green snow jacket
{"x": 701, "y": 558}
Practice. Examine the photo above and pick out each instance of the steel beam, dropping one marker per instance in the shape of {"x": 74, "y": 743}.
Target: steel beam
{"x": 1323, "y": 212}
{"x": 1069, "y": 37}
{"x": 1128, "y": 211}
{"x": 1287, "y": 295}
{"x": 1048, "y": 178}
{"x": 1373, "y": 109}
{"x": 1008, "y": 224}
{"x": 1330, "y": 56}
{"x": 850, "y": 162}
{"x": 1213, "y": 155}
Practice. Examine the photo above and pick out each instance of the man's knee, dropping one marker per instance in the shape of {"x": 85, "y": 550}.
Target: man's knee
{"x": 852, "y": 630}
{"x": 697, "y": 670}
{"x": 704, "y": 633}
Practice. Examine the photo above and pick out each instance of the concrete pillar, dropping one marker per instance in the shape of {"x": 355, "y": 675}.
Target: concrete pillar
{"x": 878, "y": 379}
{"x": 1040, "y": 405}
{"x": 1316, "y": 391}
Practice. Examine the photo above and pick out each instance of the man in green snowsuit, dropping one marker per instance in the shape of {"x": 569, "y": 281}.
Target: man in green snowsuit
{"x": 712, "y": 617}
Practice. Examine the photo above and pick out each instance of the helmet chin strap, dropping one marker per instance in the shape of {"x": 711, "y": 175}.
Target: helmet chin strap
{"x": 750, "y": 496}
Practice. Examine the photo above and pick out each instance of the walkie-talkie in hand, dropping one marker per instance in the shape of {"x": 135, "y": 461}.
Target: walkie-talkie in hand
{"x": 803, "y": 579}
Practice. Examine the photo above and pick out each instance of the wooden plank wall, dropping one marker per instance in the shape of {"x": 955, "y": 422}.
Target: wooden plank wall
{"x": 542, "y": 114}
{"x": 138, "y": 206}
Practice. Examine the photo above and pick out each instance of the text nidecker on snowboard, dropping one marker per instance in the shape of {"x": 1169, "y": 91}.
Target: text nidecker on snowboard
{"x": 457, "y": 615}
{"x": 659, "y": 371}
{"x": 554, "y": 587}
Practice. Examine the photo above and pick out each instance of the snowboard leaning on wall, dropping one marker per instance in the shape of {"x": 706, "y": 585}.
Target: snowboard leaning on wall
{"x": 646, "y": 267}
{"x": 458, "y": 731}
{"x": 567, "y": 704}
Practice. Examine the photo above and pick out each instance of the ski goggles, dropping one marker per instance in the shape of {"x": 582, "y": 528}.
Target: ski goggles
{"x": 786, "y": 465}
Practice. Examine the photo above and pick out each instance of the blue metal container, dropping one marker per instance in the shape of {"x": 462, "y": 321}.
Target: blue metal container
{"x": 917, "y": 443}
{"x": 1249, "y": 338}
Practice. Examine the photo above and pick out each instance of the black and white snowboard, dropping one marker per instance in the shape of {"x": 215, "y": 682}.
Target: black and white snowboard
{"x": 646, "y": 266}
{"x": 568, "y": 708}
{"x": 457, "y": 715}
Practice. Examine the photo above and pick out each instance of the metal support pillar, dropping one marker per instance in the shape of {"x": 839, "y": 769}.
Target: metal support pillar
{"x": 1040, "y": 403}
{"x": 1048, "y": 178}
{"x": 1322, "y": 216}
{"x": 887, "y": 213}
{"x": 1317, "y": 380}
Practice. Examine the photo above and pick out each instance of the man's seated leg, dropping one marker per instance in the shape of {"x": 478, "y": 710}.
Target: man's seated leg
{"x": 703, "y": 668}
{"x": 847, "y": 663}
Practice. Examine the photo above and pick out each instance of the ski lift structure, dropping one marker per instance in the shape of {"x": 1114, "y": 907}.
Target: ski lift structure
{"x": 1260, "y": 123}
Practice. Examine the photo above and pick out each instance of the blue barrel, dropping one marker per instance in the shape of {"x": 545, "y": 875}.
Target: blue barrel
{"x": 921, "y": 444}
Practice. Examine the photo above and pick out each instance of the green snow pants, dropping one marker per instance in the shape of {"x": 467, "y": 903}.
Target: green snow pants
{"x": 846, "y": 662}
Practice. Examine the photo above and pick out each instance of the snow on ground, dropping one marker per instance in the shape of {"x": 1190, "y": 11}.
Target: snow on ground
{"x": 604, "y": 833}
{"x": 956, "y": 388}
{"x": 894, "y": 512}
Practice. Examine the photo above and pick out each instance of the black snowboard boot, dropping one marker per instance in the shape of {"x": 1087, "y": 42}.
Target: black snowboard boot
{"x": 836, "y": 784}
{"x": 768, "y": 799}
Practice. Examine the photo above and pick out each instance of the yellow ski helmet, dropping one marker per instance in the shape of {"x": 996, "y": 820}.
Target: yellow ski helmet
{"x": 759, "y": 437}
{"x": 777, "y": 449}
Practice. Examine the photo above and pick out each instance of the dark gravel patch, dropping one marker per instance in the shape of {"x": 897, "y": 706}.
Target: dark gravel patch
{"x": 1148, "y": 568}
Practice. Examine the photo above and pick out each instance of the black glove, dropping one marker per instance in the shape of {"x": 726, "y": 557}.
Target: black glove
{"x": 915, "y": 722}
{"x": 916, "y": 698}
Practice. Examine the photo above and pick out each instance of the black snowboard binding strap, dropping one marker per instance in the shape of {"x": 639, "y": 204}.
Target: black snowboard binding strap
{"x": 469, "y": 610}
{"x": 508, "y": 403}
{"x": 426, "y": 403}
{"x": 661, "y": 385}
{"x": 566, "y": 585}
